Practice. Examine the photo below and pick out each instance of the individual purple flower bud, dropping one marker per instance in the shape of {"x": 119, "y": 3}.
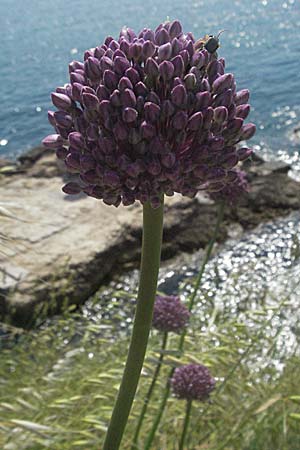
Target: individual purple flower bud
{"x": 179, "y": 95}
{"x": 162, "y": 37}
{"x": 76, "y": 140}
{"x": 140, "y": 101}
{"x": 104, "y": 109}
{"x": 147, "y": 130}
{"x": 110, "y": 79}
{"x": 224, "y": 99}
{"x": 61, "y": 101}
{"x": 115, "y": 98}
{"x": 87, "y": 54}
{"x": 53, "y": 141}
{"x": 241, "y": 97}
{"x": 178, "y": 65}
{"x": 51, "y": 118}
{"x": 102, "y": 93}
{"x": 73, "y": 161}
{"x": 141, "y": 89}
{"x": 185, "y": 56}
{"x": 203, "y": 100}
{"x": 132, "y": 75}
{"x": 234, "y": 125}
{"x": 77, "y": 78}
{"x": 75, "y": 65}
{"x": 192, "y": 382}
{"x": 94, "y": 65}
{"x": 151, "y": 68}
{"x": 135, "y": 51}
{"x": 190, "y": 81}
{"x": 244, "y": 153}
{"x": 90, "y": 101}
{"x": 76, "y": 91}
{"x": 114, "y": 45}
{"x": 152, "y": 112}
{"x": 229, "y": 161}
{"x": 148, "y": 49}
{"x": 177, "y": 46}
{"x": 149, "y": 35}
{"x": 199, "y": 59}
{"x": 175, "y": 29}
{"x": 170, "y": 314}
{"x": 129, "y": 115}
{"x": 153, "y": 166}
{"x": 190, "y": 48}
{"x": 195, "y": 121}
{"x": 63, "y": 119}
{"x": 71, "y": 188}
{"x": 166, "y": 70}
{"x": 167, "y": 109}
{"x": 168, "y": 160}
{"x": 155, "y": 201}
{"x": 99, "y": 52}
{"x": 247, "y": 131}
{"x": 124, "y": 83}
{"x": 164, "y": 51}
{"x": 125, "y": 47}
{"x": 180, "y": 120}
{"x": 243, "y": 111}
{"x": 222, "y": 83}
{"x": 121, "y": 65}
{"x": 127, "y": 97}
{"x": 217, "y": 143}
{"x": 220, "y": 114}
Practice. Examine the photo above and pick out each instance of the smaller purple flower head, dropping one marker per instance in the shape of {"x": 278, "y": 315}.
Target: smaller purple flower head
{"x": 170, "y": 314}
{"x": 192, "y": 382}
{"x": 231, "y": 192}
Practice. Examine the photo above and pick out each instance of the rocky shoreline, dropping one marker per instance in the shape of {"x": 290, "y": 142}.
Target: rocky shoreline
{"x": 57, "y": 250}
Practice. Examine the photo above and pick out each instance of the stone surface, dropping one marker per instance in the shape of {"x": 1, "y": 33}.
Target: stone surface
{"x": 57, "y": 249}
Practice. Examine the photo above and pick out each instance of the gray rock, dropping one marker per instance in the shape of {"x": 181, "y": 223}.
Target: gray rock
{"x": 56, "y": 250}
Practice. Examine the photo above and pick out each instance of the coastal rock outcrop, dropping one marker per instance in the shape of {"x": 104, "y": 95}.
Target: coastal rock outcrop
{"x": 57, "y": 250}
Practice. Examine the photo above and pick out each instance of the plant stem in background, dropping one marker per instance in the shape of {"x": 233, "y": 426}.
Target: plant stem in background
{"x": 209, "y": 250}
{"x": 149, "y": 392}
{"x": 220, "y": 215}
{"x": 186, "y": 424}
{"x": 150, "y": 261}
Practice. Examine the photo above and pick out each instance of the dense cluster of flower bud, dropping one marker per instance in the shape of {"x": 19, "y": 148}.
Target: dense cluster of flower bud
{"x": 170, "y": 314}
{"x": 192, "y": 382}
{"x": 231, "y": 192}
{"x": 147, "y": 115}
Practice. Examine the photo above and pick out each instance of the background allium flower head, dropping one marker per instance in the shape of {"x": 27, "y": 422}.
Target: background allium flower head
{"x": 149, "y": 114}
{"x": 230, "y": 192}
{"x": 170, "y": 314}
{"x": 192, "y": 382}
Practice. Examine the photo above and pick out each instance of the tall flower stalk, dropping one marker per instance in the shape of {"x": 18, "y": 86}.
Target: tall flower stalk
{"x": 147, "y": 115}
{"x": 151, "y": 248}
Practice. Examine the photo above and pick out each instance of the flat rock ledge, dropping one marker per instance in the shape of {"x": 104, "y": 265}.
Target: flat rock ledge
{"x": 57, "y": 250}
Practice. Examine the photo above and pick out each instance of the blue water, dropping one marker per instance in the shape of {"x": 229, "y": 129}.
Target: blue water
{"x": 40, "y": 37}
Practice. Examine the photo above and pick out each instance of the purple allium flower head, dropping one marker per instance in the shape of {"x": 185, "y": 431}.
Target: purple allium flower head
{"x": 153, "y": 114}
{"x": 170, "y": 314}
{"x": 230, "y": 192}
{"x": 192, "y": 382}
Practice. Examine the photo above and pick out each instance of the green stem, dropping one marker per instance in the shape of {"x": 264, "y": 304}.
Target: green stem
{"x": 150, "y": 261}
{"x": 207, "y": 256}
{"x": 209, "y": 249}
{"x": 186, "y": 424}
{"x": 149, "y": 392}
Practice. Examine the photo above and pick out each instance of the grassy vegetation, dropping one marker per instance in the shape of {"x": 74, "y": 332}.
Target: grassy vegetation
{"x": 58, "y": 384}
